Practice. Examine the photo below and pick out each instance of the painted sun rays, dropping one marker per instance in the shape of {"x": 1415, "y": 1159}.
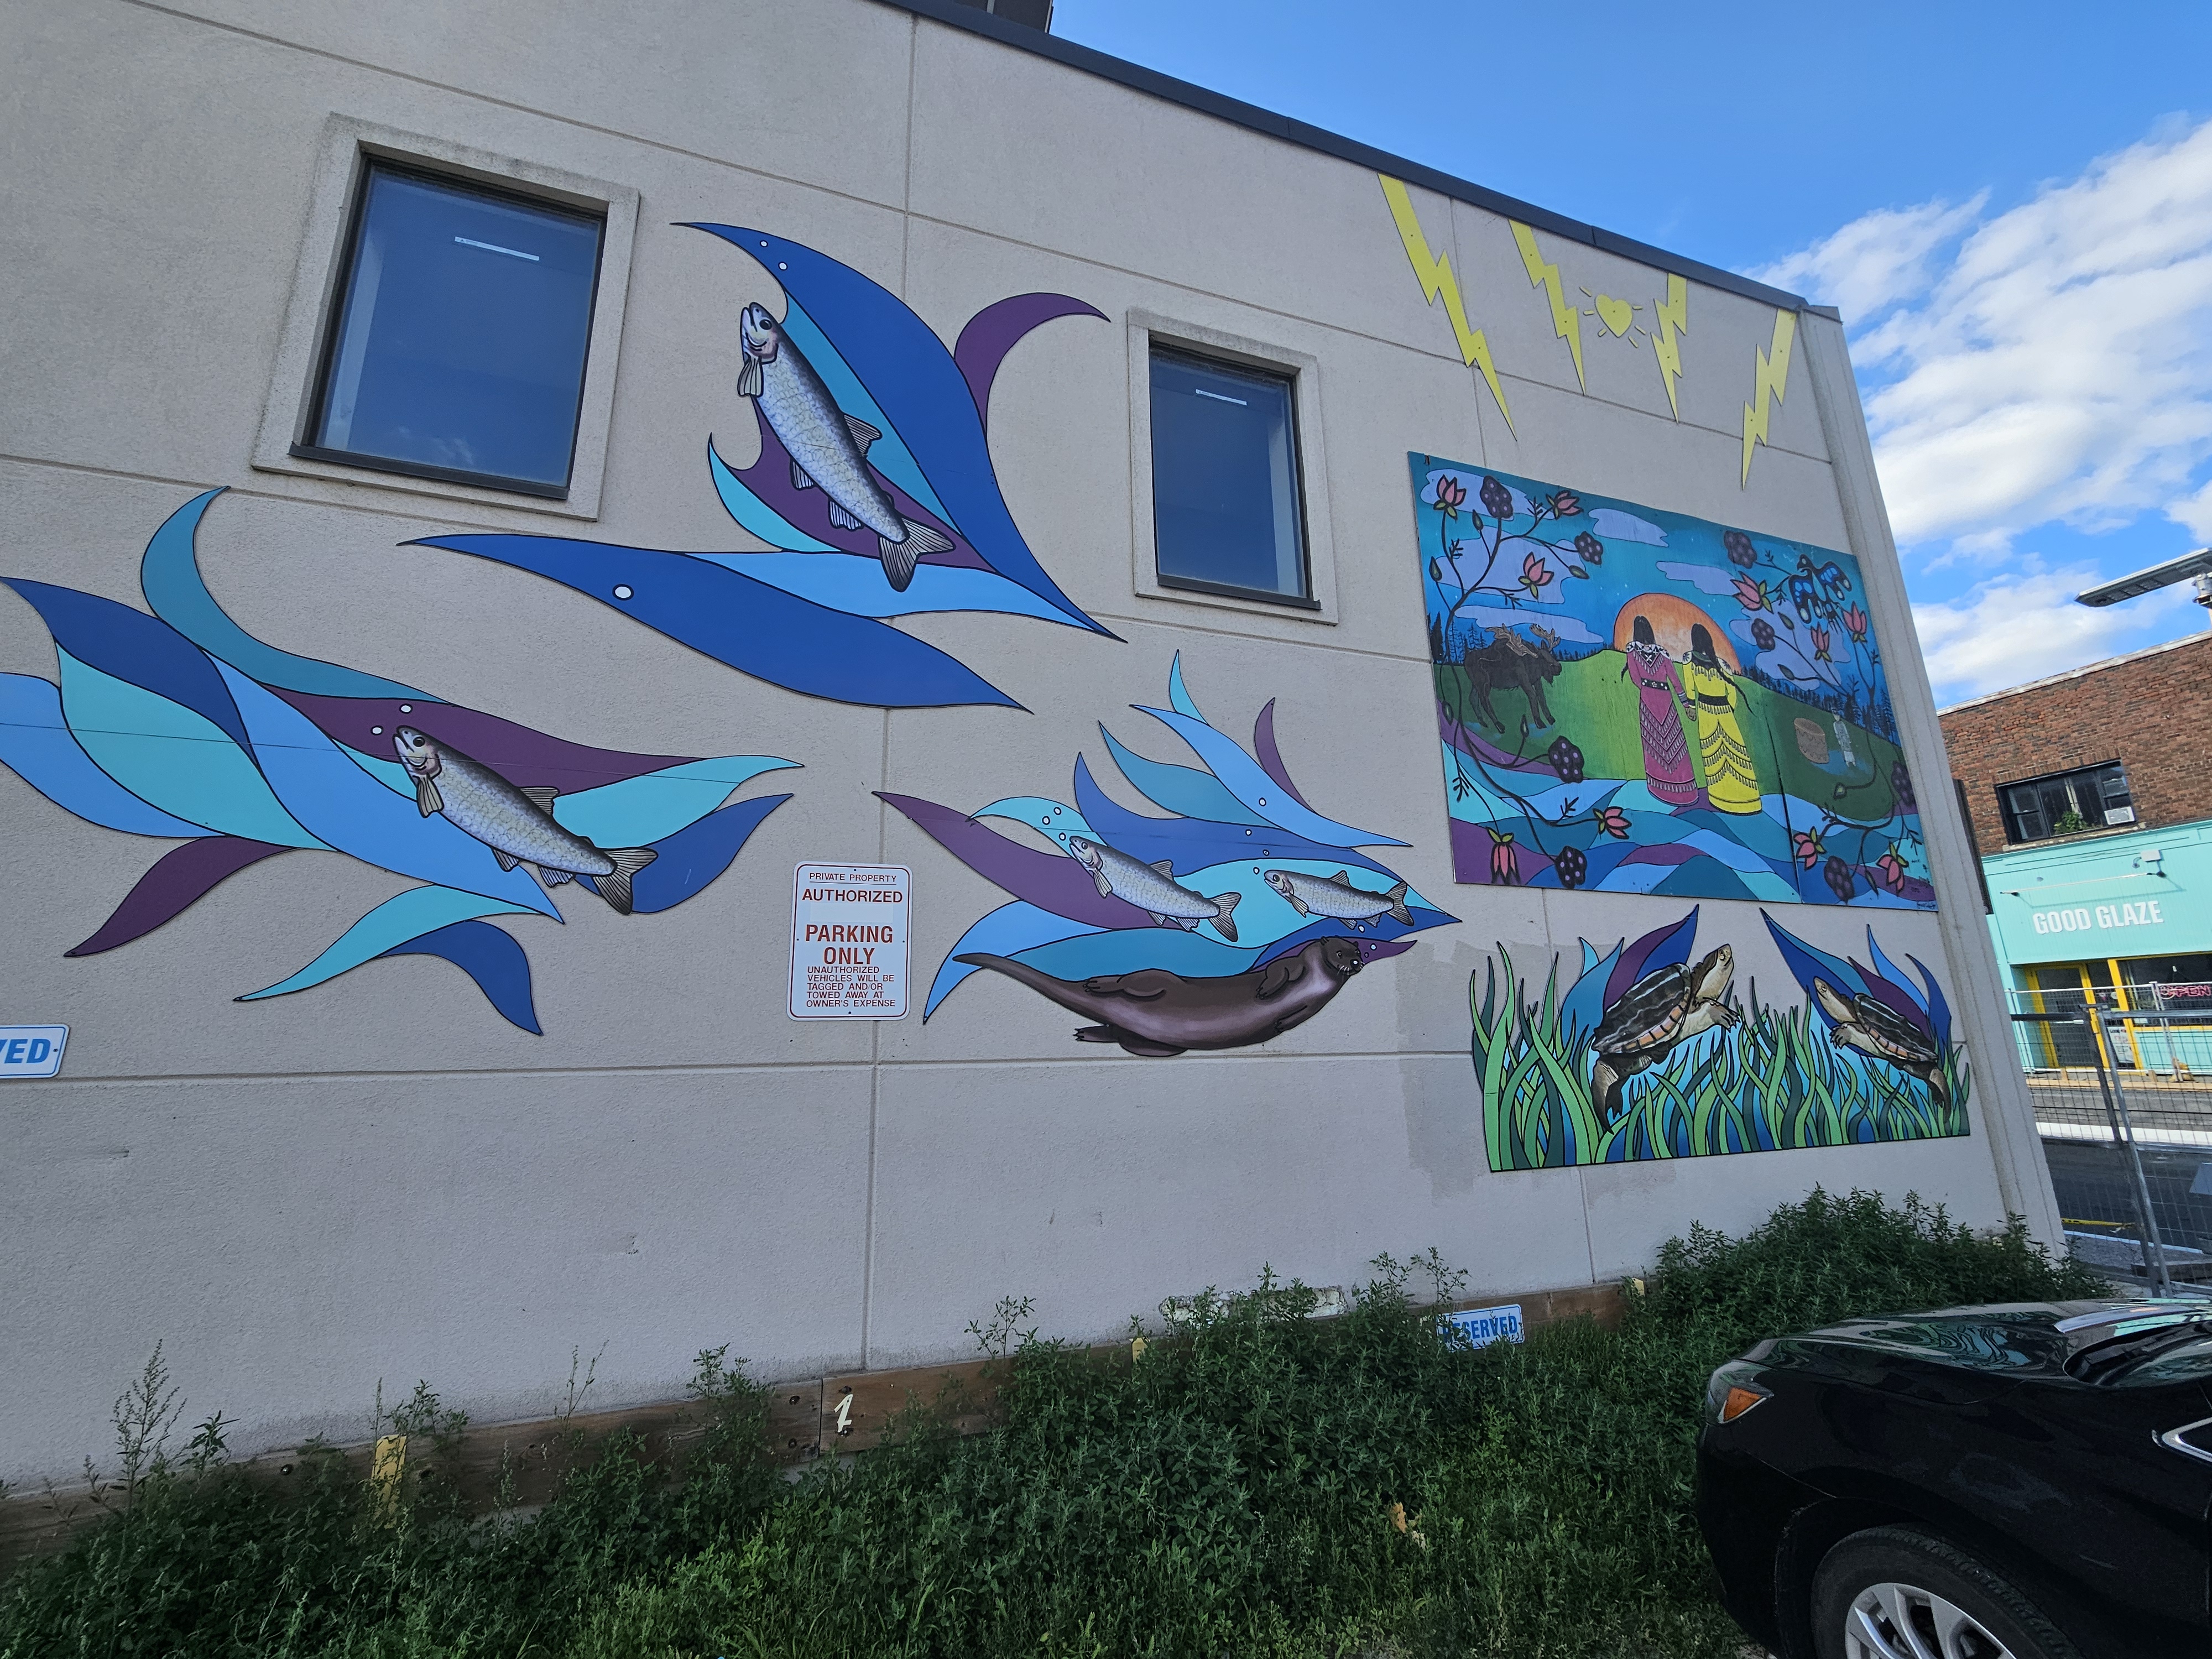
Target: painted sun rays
{"x": 896, "y": 425}
{"x": 181, "y": 725}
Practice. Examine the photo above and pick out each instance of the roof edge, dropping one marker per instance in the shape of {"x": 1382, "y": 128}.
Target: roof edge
{"x": 2087, "y": 668}
{"x": 1251, "y": 117}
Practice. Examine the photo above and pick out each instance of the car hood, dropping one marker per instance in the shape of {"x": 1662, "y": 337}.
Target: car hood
{"x": 2004, "y": 1342}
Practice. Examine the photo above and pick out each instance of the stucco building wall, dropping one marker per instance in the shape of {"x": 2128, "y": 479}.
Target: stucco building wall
{"x": 380, "y": 1180}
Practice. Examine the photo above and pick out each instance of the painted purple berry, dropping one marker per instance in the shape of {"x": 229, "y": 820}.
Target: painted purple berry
{"x": 1591, "y": 548}
{"x": 1762, "y": 632}
{"x": 1566, "y": 759}
{"x": 1497, "y": 499}
{"x": 1740, "y": 550}
{"x": 1901, "y": 785}
{"x": 1572, "y": 865}
{"x": 1841, "y": 882}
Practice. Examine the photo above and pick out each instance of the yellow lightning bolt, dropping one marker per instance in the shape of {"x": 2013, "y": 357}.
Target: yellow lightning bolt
{"x": 1566, "y": 321}
{"x": 1772, "y": 375}
{"x": 1435, "y": 277}
{"x": 1673, "y": 318}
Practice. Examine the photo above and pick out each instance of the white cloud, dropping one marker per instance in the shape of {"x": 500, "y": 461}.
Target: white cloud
{"x": 2055, "y": 365}
{"x": 2013, "y": 629}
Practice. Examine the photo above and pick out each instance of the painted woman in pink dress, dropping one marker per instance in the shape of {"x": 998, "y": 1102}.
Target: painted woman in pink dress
{"x": 1667, "y": 764}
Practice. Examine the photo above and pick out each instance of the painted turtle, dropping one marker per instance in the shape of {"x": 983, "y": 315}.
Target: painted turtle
{"x": 1874, "y": 1028}
{"x": 1661, "y": 1010}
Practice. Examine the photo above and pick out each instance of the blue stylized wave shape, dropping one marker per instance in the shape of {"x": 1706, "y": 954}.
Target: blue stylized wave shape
{"x": 170, "y": 725}
{"x": 1060, "y": 924}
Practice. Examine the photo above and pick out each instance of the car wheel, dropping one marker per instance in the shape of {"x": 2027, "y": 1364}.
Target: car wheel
{"x": 1894, "y": 1593}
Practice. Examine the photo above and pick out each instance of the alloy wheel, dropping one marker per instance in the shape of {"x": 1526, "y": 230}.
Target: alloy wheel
{"x": 1903, "y": 1621}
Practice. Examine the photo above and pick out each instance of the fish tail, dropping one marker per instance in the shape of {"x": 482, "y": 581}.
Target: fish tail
{"x": 614, "y": 888}
{"x": 900, "y": 558}
{"x": 1225, "y": 908}
{"x": 1399, "y": 912}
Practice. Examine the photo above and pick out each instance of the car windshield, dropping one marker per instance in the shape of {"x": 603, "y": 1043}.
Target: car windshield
{"x": 2167, "y": 1349}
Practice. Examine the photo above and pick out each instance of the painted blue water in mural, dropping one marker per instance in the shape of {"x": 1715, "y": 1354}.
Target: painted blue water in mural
{"x": 873, "y": 489}
{"x": 181, "y": 725}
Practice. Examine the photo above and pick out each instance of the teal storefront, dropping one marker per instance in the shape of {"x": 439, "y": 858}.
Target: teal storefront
{"x": 2123, "y": 913}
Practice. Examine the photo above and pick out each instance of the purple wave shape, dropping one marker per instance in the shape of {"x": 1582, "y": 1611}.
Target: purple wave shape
{"x": 995, "y": 330}
{"x": 1195, "y": 843}
{"x": 1668, "y": 852}
{"x": 178, "y": 880}
{"x": 1894, "y": 997}
{"x": 490, "y": 955}
{"x": 517, "y": 753}
{"x": 1471, "y": 850}
{"x": 808, "y": 510}
{"x": 1270, "y": 757}
{"x": 1662, "y": 947}
{"x": 1051, "y": 881}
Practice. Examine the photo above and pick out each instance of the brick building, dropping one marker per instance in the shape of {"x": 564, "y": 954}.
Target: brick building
{"x": 2090, "y": 795}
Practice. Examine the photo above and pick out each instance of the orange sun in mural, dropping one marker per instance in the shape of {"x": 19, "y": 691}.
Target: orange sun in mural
{"x": 1672, "y": 617}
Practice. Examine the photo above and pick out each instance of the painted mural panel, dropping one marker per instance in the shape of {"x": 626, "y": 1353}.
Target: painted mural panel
{"x": 1652, "y": 1050}
{"x": 1237, "y": 918}
{"x": 1633, "y": 701}
{"x": 180, "y": 726}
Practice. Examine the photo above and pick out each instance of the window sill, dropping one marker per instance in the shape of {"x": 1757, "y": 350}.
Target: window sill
{"x": 348, "y": 460}
{"x": 1247, "y": 595}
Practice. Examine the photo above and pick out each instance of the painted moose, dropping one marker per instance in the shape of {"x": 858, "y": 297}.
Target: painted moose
{"x": 1509, "y": 663}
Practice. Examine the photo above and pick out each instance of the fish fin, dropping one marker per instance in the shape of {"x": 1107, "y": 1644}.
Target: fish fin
{"x": 863, "y": 433}
{"x": 900, "y": 558}
{"x": 1226, "y": 905}
{"x": 840, "y": 517}
{"x": 629, "y": 860}
{"x": 541, "y": 796}
{"x": 1105, "y": 887}
{"x": 507, "y": 861}
{"x": 748, "y": 377}
{"x": 554, "y": 878}
{"x": 1165, "y": 866}
{"x": 1398, "y": 911}
{"x": 427, "y": 798}
{"x": 1342, "y": 878}
{"x": 799, "y": 480}
{"x": 1278, "y": 975}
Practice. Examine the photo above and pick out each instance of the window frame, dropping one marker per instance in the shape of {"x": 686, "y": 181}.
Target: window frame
{"x": 1147, "y": 329}
{"x": 2008, "y": 816}
{"x": 350, "y": 148}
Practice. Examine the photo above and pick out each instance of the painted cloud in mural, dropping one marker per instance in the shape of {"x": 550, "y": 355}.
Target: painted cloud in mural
{"x": 873, "y": 487}
{"x": 182, "y": 725}
{"x": 1234, "y": 920}
{"x": 1634, "y": 701}
{"x": 1650, "y": 1052}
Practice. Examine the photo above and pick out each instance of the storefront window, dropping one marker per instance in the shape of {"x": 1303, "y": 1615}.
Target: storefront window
{"x": 2067, "y": 803}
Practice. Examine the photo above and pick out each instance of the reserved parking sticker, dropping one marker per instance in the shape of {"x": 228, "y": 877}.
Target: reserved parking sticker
{"x": 31, "y": 1050}
{"x": 1483, "y": 1326}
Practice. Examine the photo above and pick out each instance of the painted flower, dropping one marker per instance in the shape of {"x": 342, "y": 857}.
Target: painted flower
{"x": 1752, "y": 593}
{"x": 1889, "y": 870}
{"x": 1451, "y": 495}
{"x": 1820, "y": 646}
{"x": 1564, "y": 759}
{"x": 1740, "y": 550}
{"x": 1841, "y": 879}
{"x": 1504, "y": 867}
{"x": 1566, "y": 504}
{"x": 1591, "y": 548}
{"x": 1613, "y": 821}
{"x": 1856, "y": 620}
{"x": 1807, "y": 847}
{"x": 1901, "y": 785}
{"x": 1496, "y": 499}
{"x": 1572, "y": 865}
{"x": 1535, "y": 574}
{"x": 1762, "y": 632}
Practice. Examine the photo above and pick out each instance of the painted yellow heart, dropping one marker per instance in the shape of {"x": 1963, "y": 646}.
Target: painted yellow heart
{"x": 1614, "y": 313}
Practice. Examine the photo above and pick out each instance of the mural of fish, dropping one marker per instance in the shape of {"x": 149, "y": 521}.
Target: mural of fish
{"x": 829, "y": 448}
{"x": 516, "y": 823}
{"x": 1335, "y": 895}
{"x": 1153, "y": 889}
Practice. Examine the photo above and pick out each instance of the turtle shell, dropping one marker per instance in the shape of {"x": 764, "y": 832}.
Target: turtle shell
{"x": 1893, "y": 1032}
{"x": 1648, "y": 1013}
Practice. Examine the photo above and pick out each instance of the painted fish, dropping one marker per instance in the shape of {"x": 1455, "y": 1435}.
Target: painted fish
{"x": 829, "y": 447}
{"x": 1153, "y": 889}
{"x": 1335, "y": 897}
{"x": 517, "y": 824}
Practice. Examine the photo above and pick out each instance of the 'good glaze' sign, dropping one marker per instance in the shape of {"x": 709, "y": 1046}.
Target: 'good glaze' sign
{"x": 849, "y": 941}
{"x": 2084, "y": 918}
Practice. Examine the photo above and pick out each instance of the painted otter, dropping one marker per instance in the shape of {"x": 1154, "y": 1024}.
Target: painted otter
{"x": 1157, "y": 1013}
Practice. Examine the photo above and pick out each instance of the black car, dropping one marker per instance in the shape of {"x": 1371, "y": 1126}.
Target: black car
{"x": 2032, "y": 1480}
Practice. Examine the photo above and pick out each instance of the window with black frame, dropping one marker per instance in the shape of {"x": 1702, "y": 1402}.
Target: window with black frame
{"x": 459, "y": 333}
{"x": 2067, "y": 803}
{"x": 1226, "y": 515}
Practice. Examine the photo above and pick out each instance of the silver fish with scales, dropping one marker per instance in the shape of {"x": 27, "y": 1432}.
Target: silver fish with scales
{"x": 517, "y": 825}
{"x": 1335, "y": 897}
{"x": 1153, "y": 889}
{"x": 829, "y": 448}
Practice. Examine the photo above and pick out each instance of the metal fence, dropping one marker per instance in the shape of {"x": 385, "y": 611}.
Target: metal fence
{"x": 2122, "y": 1089}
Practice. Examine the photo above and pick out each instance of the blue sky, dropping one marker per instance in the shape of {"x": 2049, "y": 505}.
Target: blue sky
{"x": 2012, "y": 205}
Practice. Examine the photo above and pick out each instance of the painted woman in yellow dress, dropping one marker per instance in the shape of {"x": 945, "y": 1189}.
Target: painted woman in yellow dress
{"x": 1731, "y": 785}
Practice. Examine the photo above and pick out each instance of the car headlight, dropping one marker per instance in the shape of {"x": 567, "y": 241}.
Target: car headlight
{"x": 1733, "y": 1389}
